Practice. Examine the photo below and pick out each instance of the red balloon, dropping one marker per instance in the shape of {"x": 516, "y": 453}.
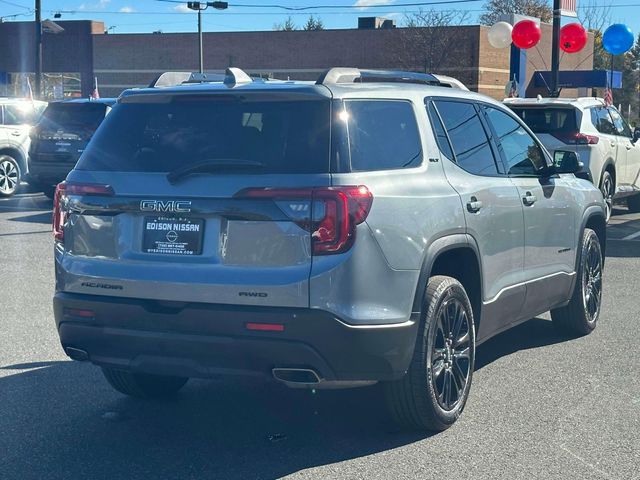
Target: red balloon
{"x": 526, "y": 34}
{"x": 573, "y": 38}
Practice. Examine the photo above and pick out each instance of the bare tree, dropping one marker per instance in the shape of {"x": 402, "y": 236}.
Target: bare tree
{"x": 426, "y": 40}
{"x": 594, "y": 17}
{"x": 532, "y": 8}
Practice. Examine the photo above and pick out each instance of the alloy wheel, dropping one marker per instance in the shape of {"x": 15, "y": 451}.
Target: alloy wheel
{"x": 451, "y": 354}
{"x": 8, "y": 177}
{"x": 592, "y": 281}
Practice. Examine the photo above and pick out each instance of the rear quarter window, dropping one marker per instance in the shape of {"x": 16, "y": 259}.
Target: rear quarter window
{"x": 383, "y": 134}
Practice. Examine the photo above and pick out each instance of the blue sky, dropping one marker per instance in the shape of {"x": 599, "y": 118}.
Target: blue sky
{"x": 131, "y": 16}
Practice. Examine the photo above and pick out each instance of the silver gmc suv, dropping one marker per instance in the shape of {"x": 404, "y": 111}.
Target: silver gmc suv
{"x": 372, "y": 226}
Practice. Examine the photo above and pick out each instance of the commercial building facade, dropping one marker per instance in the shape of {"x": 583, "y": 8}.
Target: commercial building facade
{"x": 119, "y": 61}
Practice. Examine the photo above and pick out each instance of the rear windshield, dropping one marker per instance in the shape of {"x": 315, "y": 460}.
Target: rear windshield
{"x": 64, "y": 115}
{"x": 548, "y": 120}
{"x": 284, "y": 136}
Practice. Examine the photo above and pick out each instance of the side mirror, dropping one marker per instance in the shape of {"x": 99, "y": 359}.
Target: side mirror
{"x": 636, "y": 135}
{"x": 566, "y": 162}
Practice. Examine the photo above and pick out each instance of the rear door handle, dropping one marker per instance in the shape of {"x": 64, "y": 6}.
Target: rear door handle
{"x": 529, "y": 199}
{"x": 474, "y": 205}
{"x": 613, "y": 144}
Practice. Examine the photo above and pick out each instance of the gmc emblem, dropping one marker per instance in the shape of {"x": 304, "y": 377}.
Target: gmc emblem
{"x": 165, "y": 206}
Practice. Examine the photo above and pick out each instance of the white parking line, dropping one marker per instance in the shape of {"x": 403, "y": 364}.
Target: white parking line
{"x": 632, "y": 236}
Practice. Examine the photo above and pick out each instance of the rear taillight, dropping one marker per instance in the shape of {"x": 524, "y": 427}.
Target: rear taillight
{"x": 577, "y": 138}
{"x": 330, "y": 214}
{"x": 63, "y": 190}
{"x": 59, "y": 215}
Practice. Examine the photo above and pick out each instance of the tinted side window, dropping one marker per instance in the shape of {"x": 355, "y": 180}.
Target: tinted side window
{"x": 521, "y": 154}
{"x": 383, "y": 135}
{"x": 621, "y": 126}
{"x": 440, "y": 134}
{"x": 21, "y": 114}
{"x": 602, "y": 121}
{"x": 468, "y": 137}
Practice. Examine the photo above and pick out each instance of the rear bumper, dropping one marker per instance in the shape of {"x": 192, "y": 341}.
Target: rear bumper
{"x": 50, "y": 172}
{"x": 206, "y": 340}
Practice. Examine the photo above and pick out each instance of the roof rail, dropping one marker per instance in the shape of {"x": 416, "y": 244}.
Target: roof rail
{"x": 231, "y": 78}
{"x": 356, "y": 75}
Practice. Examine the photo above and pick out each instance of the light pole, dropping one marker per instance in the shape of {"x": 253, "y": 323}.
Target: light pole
{"x": 555, "y": 50}
{"x": 38, "y": 69}
{"x": 199, "y": 7}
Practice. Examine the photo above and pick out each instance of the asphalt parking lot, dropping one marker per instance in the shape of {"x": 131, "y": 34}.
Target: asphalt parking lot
{"x": 541, "y": 406}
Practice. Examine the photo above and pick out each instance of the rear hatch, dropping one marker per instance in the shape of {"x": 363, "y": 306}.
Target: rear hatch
{"x": 64, "y": 130}
{"x": 557, "y": 127}
{"x": 198, "y": 198}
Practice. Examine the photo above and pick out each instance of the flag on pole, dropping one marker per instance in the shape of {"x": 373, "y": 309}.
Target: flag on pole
{"x": 513, "y": 88}
{"x": 29, "y": 90}
{"x": 608, "y": 97}
{"x": 95, "y": 95}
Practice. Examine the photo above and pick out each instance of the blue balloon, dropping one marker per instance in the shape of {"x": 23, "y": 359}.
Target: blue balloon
{"x": 617, "y": 39}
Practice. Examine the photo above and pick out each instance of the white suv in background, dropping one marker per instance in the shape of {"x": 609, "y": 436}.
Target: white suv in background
{"x": 17, "y": 116}
{"x": 606, "y": 145}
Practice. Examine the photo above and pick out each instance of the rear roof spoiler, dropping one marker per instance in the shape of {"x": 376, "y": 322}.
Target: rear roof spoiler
{"x": 342, "y": 75}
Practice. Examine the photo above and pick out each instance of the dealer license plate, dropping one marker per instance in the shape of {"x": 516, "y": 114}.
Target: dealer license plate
{"x": 173, "y": 236}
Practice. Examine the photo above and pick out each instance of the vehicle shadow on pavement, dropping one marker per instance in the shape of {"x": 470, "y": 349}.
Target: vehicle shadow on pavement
{"x": 34, "y": 218}
{"x": 534, "y": 333}
{"x": 62, "y": 420}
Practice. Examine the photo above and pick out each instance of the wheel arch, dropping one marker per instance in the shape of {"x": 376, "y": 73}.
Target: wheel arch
{"x": 17, "y": 155}
{"x": 594, "y": 219}
{"x": 608, "y": 165}
{"x": 455, "y": 256}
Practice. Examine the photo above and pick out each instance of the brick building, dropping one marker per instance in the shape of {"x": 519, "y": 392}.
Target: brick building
{"x": 83, "y": 51}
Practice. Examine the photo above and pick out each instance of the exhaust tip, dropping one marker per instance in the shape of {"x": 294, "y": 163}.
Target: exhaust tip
{"x": 76, "y": 354}
{"x": 296, "y": 376}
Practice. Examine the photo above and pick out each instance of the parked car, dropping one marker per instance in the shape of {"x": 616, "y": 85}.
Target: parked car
{"x": 17, "y": 115}
{"x": 60, "y": 137}
{"x": 606, "y": 144}
{"x": 366, "y": 228}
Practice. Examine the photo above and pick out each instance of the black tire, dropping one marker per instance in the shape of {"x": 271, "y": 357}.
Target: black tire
{"x": 419, "y": 401}
{"x": 580, "y": 316}
{"x": 49, "y": 191}
{"x": 633, "y": 203}
{"x": 143, "y": 385}
{"x": 10, "y": 176}
{"x": 608, "y": 189}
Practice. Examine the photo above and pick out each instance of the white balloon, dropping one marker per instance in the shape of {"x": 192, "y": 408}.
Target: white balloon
{"x": 500, "y": 35}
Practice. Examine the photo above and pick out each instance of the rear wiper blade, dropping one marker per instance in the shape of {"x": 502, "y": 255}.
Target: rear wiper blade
{"x": 213, "y": 165}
